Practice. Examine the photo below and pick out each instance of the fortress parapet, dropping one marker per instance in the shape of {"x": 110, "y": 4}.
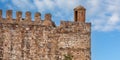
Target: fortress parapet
{"x": 27, "y": 20}
{"x": 18, "y": 16}
{"x": 48, "y": 20}
{"x": 40, "y": 39}
{"x": 79, "y": 16}
{"x": 37, "y": 18}
{"x": 28, "y": 16}
{"x": 9, "y": 15}
{"x": 0, "y": 14}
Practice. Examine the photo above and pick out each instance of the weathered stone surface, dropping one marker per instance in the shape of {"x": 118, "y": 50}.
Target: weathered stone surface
{"x": 0, "y": 14}
{"x": 37, "y": 18}
{"x": 23, "y": 39}
{"x": 9, "y": 15}
{"x": 18, "y": 16}
{"x": 47, "y": 21}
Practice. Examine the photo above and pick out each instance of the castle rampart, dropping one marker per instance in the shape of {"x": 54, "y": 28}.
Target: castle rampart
{"x": 24, "y": 39}
{"x": 27, "y": 20}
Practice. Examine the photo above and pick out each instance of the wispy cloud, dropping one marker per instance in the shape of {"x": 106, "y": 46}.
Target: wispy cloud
{"x": 43, "y": 5}
{"x": 111, "y": 23}
{"x": 53, "y": 4}
{"x": 108, "y": 18}
{"x": 23, "y": 4}
{"x": 104, "y": 14}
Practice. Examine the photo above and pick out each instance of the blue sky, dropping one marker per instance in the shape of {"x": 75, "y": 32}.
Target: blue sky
{"x": 103, "y": 14}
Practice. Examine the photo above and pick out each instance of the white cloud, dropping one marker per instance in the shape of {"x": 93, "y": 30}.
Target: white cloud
{"x": 93, "y": 6}
{"x": 112, "y": 23}
{"x": 23, "y": 4}
{"x": 107, "y": 23}
{"x": 108, "y": 16}
{"x": 65, "y": 5}
{"x": 39, "y": 5}
{"x": 114, "y": 19}
{"x": 60, "y": 8}
{"x": 42, "y": 5}
{"x": 104, "y": 14}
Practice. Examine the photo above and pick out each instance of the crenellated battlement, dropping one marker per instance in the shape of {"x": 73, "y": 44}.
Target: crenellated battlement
{"x": 79, "y": 16}
{"x": 28, "y": 18}
{"x": 27, "y": 39}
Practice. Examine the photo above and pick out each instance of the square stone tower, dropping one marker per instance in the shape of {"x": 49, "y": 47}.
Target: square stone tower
{"x": 24, "y": 39}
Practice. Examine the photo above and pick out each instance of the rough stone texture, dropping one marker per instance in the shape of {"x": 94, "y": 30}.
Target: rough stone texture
{"x": 23, "y": 39}
{"x": 18, "y": 16}
{"x": 47, "y": 21}
{"x": 0, "y": 14}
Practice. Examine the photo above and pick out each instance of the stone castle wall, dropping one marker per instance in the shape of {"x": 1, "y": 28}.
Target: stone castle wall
{"x": 24, "y": 39}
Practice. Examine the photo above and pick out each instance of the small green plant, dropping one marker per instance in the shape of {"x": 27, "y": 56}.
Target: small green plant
{"x": 68, "y": 57}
